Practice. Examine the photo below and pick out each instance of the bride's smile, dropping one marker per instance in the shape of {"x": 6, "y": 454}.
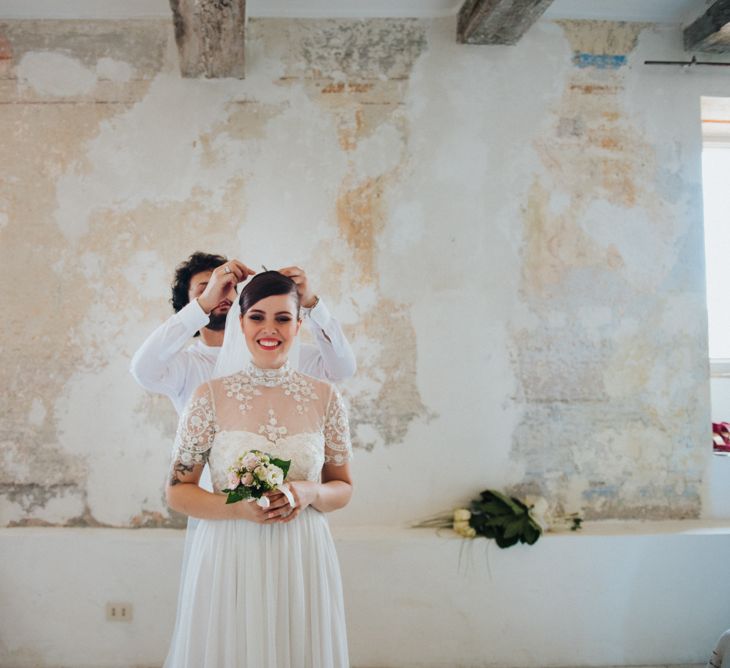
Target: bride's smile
{"x": 269, "y": 344}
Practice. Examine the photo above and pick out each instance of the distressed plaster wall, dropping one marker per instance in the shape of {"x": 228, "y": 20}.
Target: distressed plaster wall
{"x": 511, "y": 236}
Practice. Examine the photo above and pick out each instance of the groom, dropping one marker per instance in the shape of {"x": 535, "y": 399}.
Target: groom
{"x": 202, "y": 293}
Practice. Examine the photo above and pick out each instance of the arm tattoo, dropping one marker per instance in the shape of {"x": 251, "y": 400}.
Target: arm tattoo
{"x": 178, "y": 468}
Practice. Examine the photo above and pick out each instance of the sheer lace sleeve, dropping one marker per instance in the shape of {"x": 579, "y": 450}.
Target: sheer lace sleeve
{"x": 337, "y": 445}
{"x": 195, "y": 431}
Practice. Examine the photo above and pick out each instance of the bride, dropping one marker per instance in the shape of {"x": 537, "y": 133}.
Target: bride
{"x": 261, "y": 587}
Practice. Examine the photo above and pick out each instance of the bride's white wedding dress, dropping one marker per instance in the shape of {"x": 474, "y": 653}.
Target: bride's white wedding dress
{"x": 256, "y": 595}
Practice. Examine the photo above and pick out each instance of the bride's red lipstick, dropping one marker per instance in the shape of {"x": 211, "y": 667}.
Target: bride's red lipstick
{"x": 268, "y": 344}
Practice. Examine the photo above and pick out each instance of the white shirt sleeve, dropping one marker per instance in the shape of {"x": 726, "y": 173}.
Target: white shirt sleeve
{"x": 332, "y": 358}
{"x": 160, "y": 364}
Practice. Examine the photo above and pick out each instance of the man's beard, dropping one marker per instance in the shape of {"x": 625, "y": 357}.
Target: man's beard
{"x": 217, "y": 321}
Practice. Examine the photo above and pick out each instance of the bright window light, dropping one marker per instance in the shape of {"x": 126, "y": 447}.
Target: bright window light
{"x": 716, "y": 193}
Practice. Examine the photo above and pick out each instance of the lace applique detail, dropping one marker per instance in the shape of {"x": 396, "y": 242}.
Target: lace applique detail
{"x": 301, "y": 390}
{"x": 337, "y": 444}
{"x": 196, "y": 432}
{"x": 269, "y": 377}
{"x": 272, "y": 430}
{"x": 240, "y": 386}
{"x": 294, "y": 384}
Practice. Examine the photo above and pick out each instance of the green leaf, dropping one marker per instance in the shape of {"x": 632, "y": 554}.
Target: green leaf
{"x": 506, "y": 542}
{"x": 532, "y": 533}
{"x": 516, "y": 528}
{"x": 494, "y": 508}
{"x": 234, "y": 497}
{"x": 491, "y": 495}
{"x": 501, "y": 520}
{"x": 283, "y": 464}
{"x": 520, "y": 504}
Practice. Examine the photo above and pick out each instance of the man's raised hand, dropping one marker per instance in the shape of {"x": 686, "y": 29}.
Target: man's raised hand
{"x": 220, "y": 283}
{"x": 307, "y": 297}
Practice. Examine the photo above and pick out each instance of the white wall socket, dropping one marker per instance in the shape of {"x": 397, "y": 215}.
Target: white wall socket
{"x": 119, "y": 612}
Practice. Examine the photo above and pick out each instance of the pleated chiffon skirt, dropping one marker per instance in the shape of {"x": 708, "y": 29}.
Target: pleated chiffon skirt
{"x": 260, "y": 596}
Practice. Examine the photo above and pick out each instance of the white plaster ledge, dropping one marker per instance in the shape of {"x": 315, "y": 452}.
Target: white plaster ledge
{"x": 614, "y": 594}
{"x": 407, "y": 534}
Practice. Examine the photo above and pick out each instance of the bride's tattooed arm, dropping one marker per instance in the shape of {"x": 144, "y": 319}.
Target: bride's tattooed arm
{"x": 180, "y": 472}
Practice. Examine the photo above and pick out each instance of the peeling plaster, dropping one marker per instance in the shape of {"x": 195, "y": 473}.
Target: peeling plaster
{"x": 179, "y": 165}
{"x": 429, "y": 204}
{"x": 605, "y": 394}
{"x": 114, "y": 70}
{"x": 37, "y": 413}
{"x": 373, "y": 49}
{"x": 602, "y": 38}
{"x": 92, "y": 42}
{"x": 55, "y": 74}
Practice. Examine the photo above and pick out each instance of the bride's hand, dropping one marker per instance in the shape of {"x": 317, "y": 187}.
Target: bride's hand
{"x": 304, "y": 493}
{"x": 251, "y": 511}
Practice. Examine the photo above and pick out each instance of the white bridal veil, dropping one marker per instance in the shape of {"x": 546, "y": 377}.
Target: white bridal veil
{"x": 234, "y": 355}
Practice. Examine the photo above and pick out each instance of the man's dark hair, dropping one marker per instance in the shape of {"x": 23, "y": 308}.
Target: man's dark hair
{"x": 267, "y": 284}
{"x": 196, "y": 263}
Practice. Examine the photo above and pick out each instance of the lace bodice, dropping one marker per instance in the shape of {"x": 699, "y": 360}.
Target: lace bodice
{"x": 279, "y": 411}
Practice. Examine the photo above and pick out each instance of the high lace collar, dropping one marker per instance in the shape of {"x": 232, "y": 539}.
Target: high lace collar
{"x": 269, "y": 377}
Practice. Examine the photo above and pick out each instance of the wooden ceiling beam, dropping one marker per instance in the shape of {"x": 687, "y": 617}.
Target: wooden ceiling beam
{"x": 497, "y": 21}
{"x": 711, "y": 31}
{"x": 210, "y": 36}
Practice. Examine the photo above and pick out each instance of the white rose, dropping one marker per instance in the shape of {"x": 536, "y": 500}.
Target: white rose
{"x": 463, "y": 529}
{"x": 461, "y": 514}
{"x": 275, "y": 477}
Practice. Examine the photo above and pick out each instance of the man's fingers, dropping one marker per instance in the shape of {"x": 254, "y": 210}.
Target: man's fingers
{"x": 292, "y": 272}
{"x": 245, "y": 270}
{"x": 298, "y": 278}
{"x": 234, "y": 271}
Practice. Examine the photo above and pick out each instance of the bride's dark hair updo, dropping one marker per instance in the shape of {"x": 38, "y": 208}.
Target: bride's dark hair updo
{"x": 266, "y": 284}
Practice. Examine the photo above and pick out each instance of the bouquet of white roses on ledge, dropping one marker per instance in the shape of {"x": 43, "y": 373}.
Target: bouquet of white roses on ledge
{"x": 254, "y": 474}
{"x": 506, "y": 519}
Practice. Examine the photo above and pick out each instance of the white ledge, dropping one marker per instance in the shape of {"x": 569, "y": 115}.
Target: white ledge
{"x": 405, "y": 533}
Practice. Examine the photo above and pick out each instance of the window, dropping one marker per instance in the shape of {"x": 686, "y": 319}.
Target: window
{"x": 716, "y": 196}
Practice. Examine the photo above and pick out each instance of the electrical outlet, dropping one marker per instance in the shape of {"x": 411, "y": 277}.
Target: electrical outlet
{"x": 119, "y": 612}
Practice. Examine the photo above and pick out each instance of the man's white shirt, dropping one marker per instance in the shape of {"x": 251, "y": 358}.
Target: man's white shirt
{"x": 165, "y": 364}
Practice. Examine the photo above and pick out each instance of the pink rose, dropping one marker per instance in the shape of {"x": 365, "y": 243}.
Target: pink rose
{"x": 251, "y": 461}
{"x": 247, "y": 479}
{"x": 233, "y": 480}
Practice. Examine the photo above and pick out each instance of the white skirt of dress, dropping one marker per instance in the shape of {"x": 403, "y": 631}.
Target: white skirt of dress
{"x": 260, "y": 596}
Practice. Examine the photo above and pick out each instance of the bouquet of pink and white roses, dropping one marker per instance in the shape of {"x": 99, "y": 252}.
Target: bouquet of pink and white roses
{"x": 254, "y": 474}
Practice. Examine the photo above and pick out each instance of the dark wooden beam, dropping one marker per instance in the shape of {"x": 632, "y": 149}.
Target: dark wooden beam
{"x": 497, "y": 21}
{"x": 710, "y": 32}
{"x": 210, "y": 37}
